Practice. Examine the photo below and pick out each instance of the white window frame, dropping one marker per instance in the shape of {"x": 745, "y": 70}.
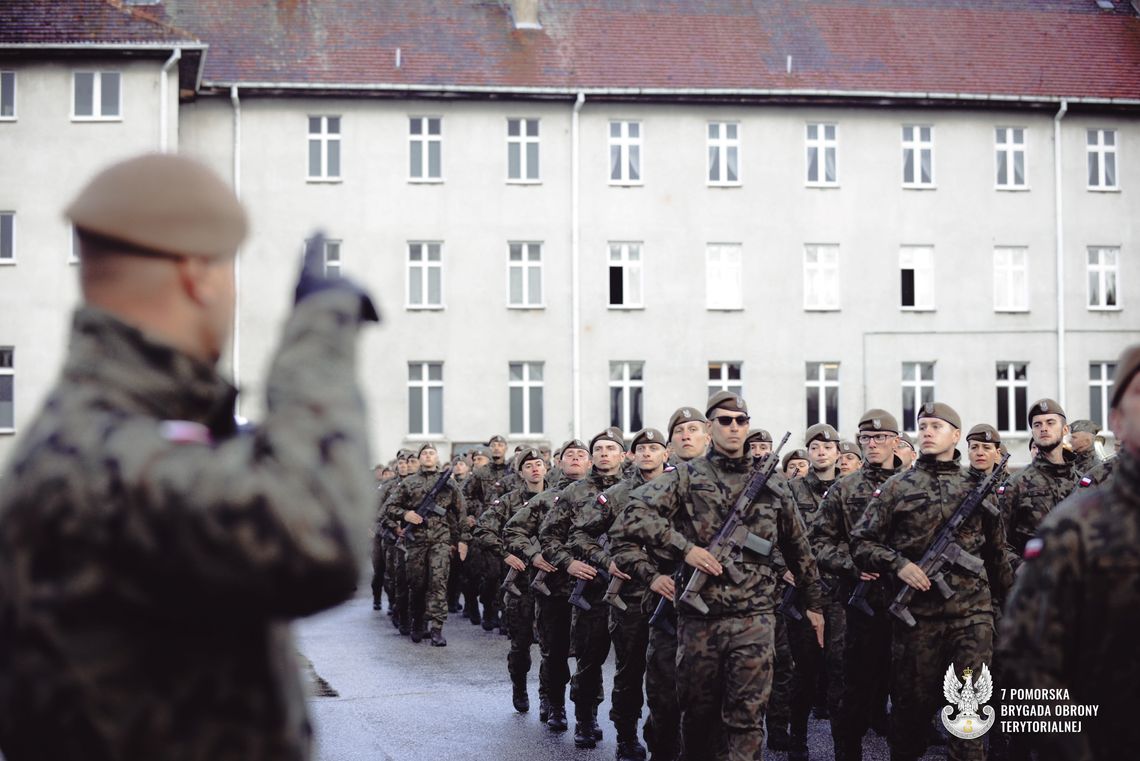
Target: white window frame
{"x": 633, "y": 270}
{"x": 331, "y": 258}
{"x": 916, "y": 382}
{"x": 1010, "y": 384}
{"x": 97, "y": 96}
{"x": 910, "y": 258}
{"x": 427, "y": 265}
{"x": 324, "y": 138}
{"x": 722, "y": 146}
{"x": 525, "y": 385}
{"x": 425, "y": 150}
{"x": 73, "y": 254}
{"x": 10, "y": 260}
{"x": 522, "y": 140}
{"x": 1004, "y": 143}
{"x": 817, "y": 270}
{"x": 523, "y": 266}
{"x": 627, "y": 383}
{"x": 11, "y": 92}
{"x": 1007, "y": 296}
{"x": 625, "y": 145}
{"x": 425, "y": 383}
{"x": 822, "y": 144}
{"x": 917, "y": 146}
{"x": 824, "y": 387}
{"x": 1102, "y": 150}
{"x": 722, "y": 381}
{"x": 1102, "y": 386}
{"x": 1102, "y": 271}
{"x": 9, "y": 371}
{"x": 724, "y": 267}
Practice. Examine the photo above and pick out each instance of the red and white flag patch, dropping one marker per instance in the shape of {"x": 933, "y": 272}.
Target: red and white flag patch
{"x": 1001, "y": 490}
{"x": 602, "y": 499}
{"x": 1033, "y": 548}
{"x": 877, "y": 493}
{"x": 1086, "y": 482}
{"x": 185, "y": 432}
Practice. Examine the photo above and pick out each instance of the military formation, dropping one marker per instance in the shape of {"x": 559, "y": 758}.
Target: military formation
{"x": 826, "y": 602}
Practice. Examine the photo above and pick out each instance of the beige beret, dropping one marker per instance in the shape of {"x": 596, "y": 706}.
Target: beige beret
{"x": 726, "y": 400}
{"x": 942, "y": 412}
{"x": 878, "y": 420}
{"x": 1044, "y": 407}
{"x": 163, "y": 204}
{"x": 685, "y": 415}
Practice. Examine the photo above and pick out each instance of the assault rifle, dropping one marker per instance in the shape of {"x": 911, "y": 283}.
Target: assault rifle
{"x": 790, "y": 606}
{"x": 734, "y": 536}
{"x": 660, "y": 619}
{"x": 577, "y": 598}
{"x": 945, "y": 551}
{"x": 613, "y": 593}
{"x": 538, "y": 584}
{"x": 509, "y": 585}
{"x": 428, "y": 506}
{"x": 858, "y": 599}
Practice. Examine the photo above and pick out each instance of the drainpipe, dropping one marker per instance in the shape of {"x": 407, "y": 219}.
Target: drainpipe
{"x": 175, "y": 57}
{"x": 575, "y": 290}
{"x": 236, "y": 347}
{"x": 1060, "y": 254}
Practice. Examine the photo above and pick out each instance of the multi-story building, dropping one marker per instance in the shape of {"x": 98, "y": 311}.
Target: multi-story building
{"x": 582, "y": 212}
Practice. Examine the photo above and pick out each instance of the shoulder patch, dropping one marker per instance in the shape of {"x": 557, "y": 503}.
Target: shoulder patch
{"x": 1086, "y": 482}
{"x": 876, "y": 493}
{"x": 1033, "y": 548}
{"x": 669, "y": 468}
{"x": 185, "y": 432}
{"x": 602, "y": 499}
{"x": 1001, "y": 489}
{"x": 825, "y": 492}
{"x": 496, "y": 502}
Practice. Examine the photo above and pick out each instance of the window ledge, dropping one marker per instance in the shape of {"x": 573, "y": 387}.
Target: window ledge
{"x": 423, "y": 438}
{"x": 425, "y": 180}
{"x": 1106, "y": 309}
{"x": 8, "y": 118}
{"x": 917, "y": 309}
{"x": 1012, "y": 188}
{"x": 725, "y": 309}
{"x": 625, "y": 308}
{"x": 913, "y": 186}
{"x": 725, "y": 184}
{"x": 324, "y": 180}
{"x": 524, "y": 182}
{"x": 626, "y": 184}
{"x": 425, "y": 307}
{"x": 96, "y": 118}
{"x": 7, "y": 431}
{"x": 1011, "y": 310}
{"x": 7, "y": 262}
{"x": 821, "y": 309}
{"x": 822, "y": 185}
{"x": 526, "y": 307}
{"x": 1093, "y": 189}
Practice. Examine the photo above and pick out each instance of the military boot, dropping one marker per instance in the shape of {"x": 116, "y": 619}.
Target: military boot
{"x": 778, "y": 739}
{"x": 628, "y": 746}
{"x": 490, "y": 621}
{"x": 585, "y": 729}
{"x": 437, "y": 639}
{"x": 797, "y": 743}
{"x": 403, "y": 625}
{"x": 519, "y": 696}
{"x": 543, "y": 708}
{"x": 597, "y": 726}
{"x": 557, "y": 719}
{"x": 417, "y": 630}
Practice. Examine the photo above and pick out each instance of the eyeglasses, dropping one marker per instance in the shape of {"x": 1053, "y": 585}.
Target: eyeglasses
{"x": 878, "y": 438}
{"x": 727, "y": 420}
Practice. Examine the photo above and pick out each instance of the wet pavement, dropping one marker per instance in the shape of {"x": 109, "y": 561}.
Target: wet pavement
{"x": 399, "y": 700}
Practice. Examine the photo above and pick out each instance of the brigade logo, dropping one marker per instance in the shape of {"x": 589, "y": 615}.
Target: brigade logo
{"x": 649, "y": 435}
{"x": 1044, "y": 406}
{"x": 877, "y": 424}
{"x": 968, "y": 697}
{"x": 989, "y": 436}
{"x": 686, "y": 413}
{"x": 928, "y": 408}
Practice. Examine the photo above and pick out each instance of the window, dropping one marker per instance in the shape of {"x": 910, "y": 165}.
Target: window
{"x": 332, "y": 258}
{"x": 725, "y": 376}
{"x": 917, "y": 390}
{"x": 7, "y": 95}
{"x": 723, "y": 276}
{"x": 425, "y": 398}
{"x": 625, "y": 275}
{"x": 821, "y": 277}
{"x": 7, "y": 237}
{"x": 724, "y": 153}
{"x": 1102, "y": 277}
{"x": 425, "y": 276}
{"x": 1012, "y": 392}
{"x": 324, "y": 148}
{"x": 822, "y": 393}
{"x": 524, "y": 275}
{"x": 916, "y": 271}
{"x": 73, "y": 255}
{"x": 522, "y": 150}
{"x": 96, "y": 95}
{"x": 1100, "y": 390}
{"x": 918, "y": 156}
{"x": 1011, "y": 279}
{"x": 822, "y": 149}
{"x": 526, "y": 397}
{"x": 7, "y": 389}
{"x": 625, "y": 153}
{"x": 425, "y": 140}
{"x": 1102, "y": 159}
{"x": 627, "y": 388}
{"x": 1009, "y": 144}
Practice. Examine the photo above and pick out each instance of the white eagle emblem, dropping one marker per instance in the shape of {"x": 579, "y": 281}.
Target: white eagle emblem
{"x": 968, "y": 697}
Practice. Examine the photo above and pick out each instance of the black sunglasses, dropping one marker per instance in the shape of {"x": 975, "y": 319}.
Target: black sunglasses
{"x": 727, "y": 420}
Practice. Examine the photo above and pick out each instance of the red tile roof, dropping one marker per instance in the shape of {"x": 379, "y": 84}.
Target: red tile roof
{"x": 1037, "y": 49}
{"x": 84, "y": 21}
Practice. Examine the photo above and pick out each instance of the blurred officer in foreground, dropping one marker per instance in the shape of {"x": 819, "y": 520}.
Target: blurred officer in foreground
{"x": 149, "y": 558}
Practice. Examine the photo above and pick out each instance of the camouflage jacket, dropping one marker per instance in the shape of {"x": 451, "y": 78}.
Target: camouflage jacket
{"x": 485, "y": 484}
{"x": 901, "y": 521}
{"x": 1028, "y": 496}
{"x": 436, "y": 529}
{"x": 1074, "y": 612}
{"x": 840, "y": 511}
{"x": 808, "y": 493}
{"x": 1086, "y": 461}
{"x": 150, "y": 558}
{"x": 686, "y": 507}
{"x": 554, "y": 533}
{"x": 520, "y": 534}
{"x": 1100, "y": 475}
{"x": 382, "y": 491}
{"x": 488, "y": 531}
{"x": 642, "y": 563}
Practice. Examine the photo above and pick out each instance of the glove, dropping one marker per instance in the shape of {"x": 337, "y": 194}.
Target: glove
{"x": 313, "y": 280}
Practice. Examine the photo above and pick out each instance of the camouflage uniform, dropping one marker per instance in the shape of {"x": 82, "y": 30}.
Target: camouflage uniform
{"x": 429, "y": 551}
{"x": 724, "y": 659}
{"x": 380, "y": 581}
{"x": 899, "y": 523}
{"x": 1099, "y": 475}
{"x": 148, "y": 567}
{"x": 1085, "y": 461}
{"x": 483, "y": 571}
{"x": 1072, "y": 618}
{"x": 1028, "y": 496}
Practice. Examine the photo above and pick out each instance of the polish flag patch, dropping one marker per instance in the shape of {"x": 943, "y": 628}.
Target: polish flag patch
{"x": 602, "y": 499}
{"x": 1086, "y": 482}
{"x": 185, "y": 432}
{"x": 877, "y": 493}
{"x": 1001, "y": 490}
{"x": 1033, "y": 548}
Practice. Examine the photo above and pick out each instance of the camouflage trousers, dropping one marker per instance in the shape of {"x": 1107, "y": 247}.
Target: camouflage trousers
{"x": 519, "y": 613}
{"x": 724, "y": 678}
{"x": 814, "y": 664}
{"x": 482, "y": 572}
{"x": 554, "y": 631}
{"x": 919, "y": 658}
{"x": 629, "y": 633}
{"x": 663, "y": 727}
{"x": 780, "y": 704}
{"x": 396, "y": 578}
{"x": 379, "y": 562}
{"x": 590, "y": 631}
{"x": 429, "y": 564}
{"x": 867, "y": 655}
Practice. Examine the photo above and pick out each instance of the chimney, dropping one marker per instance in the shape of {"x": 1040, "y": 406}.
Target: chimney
{"x": 525, "y": 13}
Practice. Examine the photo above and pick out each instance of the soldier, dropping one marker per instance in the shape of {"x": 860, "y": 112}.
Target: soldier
{"x": 518, "y": 609}
{"x": 480, "y": 457}
{"x": 795, "y": 464}
{"x": 151, "y": 557}
{"x": 1028, "y": 496}
{"x": 867, "y": 640}
{"x": 724, "y": 659}
{"x": 900, "y": 522}
{"x": 850, "y": 458}
{"x": 1082, "y": 437}
{"x": 553, "y": 610}
{"x": 905, "y": 450}
{"x": 822, "y": 442}
{"x": 590, "y": 630}
{"x": 483, "y": 572}
{"x": 433, "y": 540}
{"x": 629, "y": 628}
{"x": 1072, "y": 619}
{"x": 395, "y": 562}
{"x": 984, "y": 443}
{"x": 380, "y": 540}
{"x": 759, "y": 444}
